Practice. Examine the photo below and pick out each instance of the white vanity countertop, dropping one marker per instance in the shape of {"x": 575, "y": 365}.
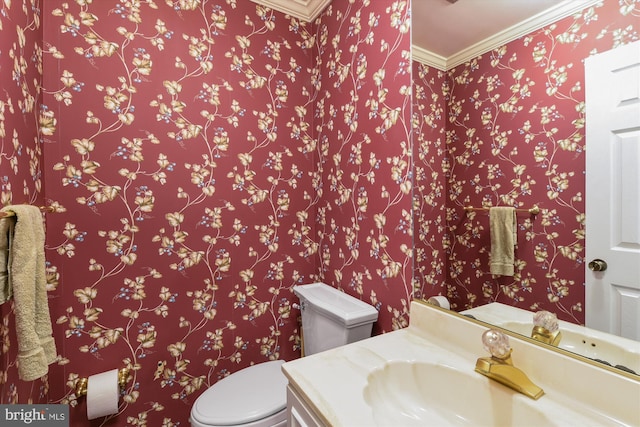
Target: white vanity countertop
{"x": 332, "y": 382}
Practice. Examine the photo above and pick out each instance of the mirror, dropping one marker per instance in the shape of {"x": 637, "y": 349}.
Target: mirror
{"x": 600, "y": 347}
{"x": 501, "y": 122}
{"x": 494, "y": 320}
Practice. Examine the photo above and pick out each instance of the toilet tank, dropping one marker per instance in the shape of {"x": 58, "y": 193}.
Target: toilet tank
{"x": 331, "y": 318}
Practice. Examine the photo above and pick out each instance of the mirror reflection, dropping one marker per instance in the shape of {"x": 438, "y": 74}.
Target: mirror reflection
{"x": 502, "y": 122}
{"x": 544, "y": 327}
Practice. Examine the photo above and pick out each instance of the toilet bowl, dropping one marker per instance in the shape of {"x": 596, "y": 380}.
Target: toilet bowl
{"x": 256, "y": 396}
{"x": 252, "y": 397}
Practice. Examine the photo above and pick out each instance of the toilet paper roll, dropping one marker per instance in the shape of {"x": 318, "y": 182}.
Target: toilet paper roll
{"x": 102, "y": 394}
{"x": 440, "y": 301}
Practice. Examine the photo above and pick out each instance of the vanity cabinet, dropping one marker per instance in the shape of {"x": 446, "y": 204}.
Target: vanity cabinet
{"x": 299, "y": 414}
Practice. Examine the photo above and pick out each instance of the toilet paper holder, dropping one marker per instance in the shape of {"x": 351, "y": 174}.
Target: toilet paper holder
{"x": 82, "y": 383}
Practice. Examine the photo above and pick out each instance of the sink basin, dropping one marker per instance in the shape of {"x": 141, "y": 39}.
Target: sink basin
{"x": 424, "y": 375}
{"x": 403, "y": 393}
{"x": 589, "y": 343}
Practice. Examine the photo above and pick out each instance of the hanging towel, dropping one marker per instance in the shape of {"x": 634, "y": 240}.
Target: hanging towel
{"x": 6, "y": 235}
{"x": 36, "y": 347}
{"x": 503, "y": 228}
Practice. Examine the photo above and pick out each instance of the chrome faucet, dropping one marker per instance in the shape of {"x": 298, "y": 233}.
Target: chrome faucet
{"x": 499, "y": 367}
{"x": 546, "y": 328}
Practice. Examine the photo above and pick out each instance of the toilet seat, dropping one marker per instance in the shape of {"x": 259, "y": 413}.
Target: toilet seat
{"x": 247, "y": 396}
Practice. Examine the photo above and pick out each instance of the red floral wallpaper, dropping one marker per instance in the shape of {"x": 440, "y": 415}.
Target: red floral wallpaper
{"x": 515, "y": 137}
{"x": 430, "y": 181}
{"x": 21, "y": 165}
{"x": 204, "y": 157}
{"x": 364, "y": 155}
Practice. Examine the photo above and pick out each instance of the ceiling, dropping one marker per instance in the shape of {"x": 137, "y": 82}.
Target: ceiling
{"x": 446, "y": 33}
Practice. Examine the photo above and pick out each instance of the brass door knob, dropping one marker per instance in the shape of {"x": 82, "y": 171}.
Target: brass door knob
{"x": 597, "y": 265}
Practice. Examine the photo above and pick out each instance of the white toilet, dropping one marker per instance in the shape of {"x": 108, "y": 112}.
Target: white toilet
{"x": 256, "y": 396}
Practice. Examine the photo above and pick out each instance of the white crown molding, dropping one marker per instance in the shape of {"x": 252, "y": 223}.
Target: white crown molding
{"x": 536, "y": 22}
{"x": 428, "y": 58}
{"x": 307, "y": 10}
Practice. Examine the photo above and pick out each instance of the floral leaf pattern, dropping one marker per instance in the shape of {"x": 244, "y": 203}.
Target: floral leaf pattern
{"x": 515, "y": 137}
{"x": 21, "y": 160}
{"x": 185, "y": 143}
{"x": 430, "y": 170}
{"x": 177, "y": 155}
{"x": 204, "y": 156}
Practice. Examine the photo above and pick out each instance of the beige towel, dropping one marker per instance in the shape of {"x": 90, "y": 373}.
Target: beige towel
{"x": 503, "y": 229}
{"x": 36, "y": 347}
{"x": 6, "y": 235}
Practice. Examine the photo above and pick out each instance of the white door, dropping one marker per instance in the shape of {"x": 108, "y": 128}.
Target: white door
{"x": 613, "y": 191}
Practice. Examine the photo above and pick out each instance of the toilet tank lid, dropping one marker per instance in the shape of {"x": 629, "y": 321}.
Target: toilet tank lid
{"x": 245, "y": 396}
{"x": 337, "y": 304}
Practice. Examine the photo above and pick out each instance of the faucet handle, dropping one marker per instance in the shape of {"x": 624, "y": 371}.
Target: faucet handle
{"x": 496, "y": 343}
{"x": 499, "y": 366}
{"x": 546, "y": 328}
{"x": 547, "y": 320}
